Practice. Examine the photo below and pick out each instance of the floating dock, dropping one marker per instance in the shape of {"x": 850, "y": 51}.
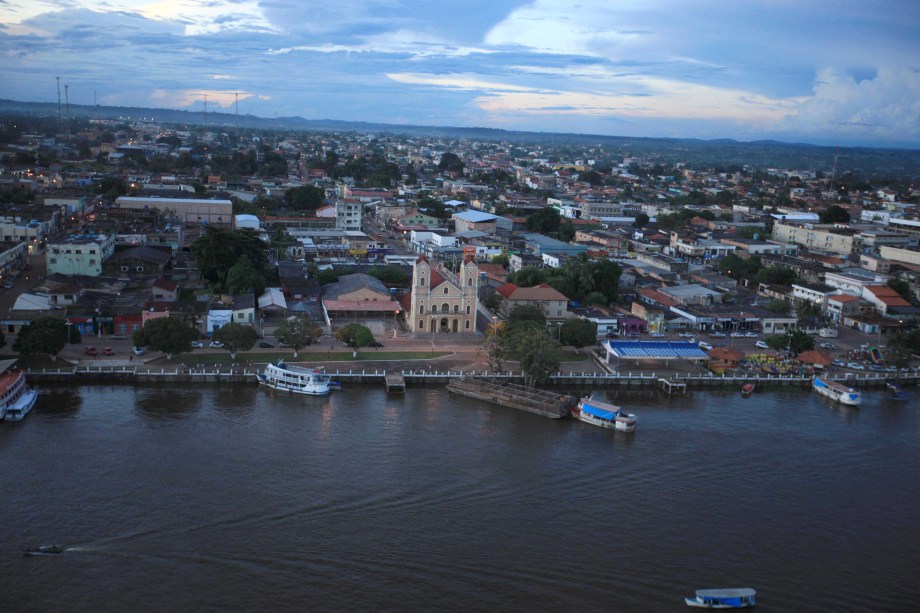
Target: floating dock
{"x": 541, "y": 402}
{"x": 395, "y": 382}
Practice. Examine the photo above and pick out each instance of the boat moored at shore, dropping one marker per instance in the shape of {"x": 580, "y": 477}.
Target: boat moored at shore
{"x": 836, "y": 391}
{"x": 296, "y": 379}
{"x": 729, "y": 598}
{"x": 604, "y": 414}
{"x": 16, "y": 397}
{"x": 747, "y": 389}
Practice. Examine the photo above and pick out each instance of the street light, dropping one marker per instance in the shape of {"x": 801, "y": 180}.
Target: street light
{"x": 68, "y": 324}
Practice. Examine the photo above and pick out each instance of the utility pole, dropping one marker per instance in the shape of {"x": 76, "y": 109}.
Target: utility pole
{"x": 236, "y": 104}
{"x": 59, "y": 101}
{"x": 67, "y": 111}
{"x": 205, "y": 112}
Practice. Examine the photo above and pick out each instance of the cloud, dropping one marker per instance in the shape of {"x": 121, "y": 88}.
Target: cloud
{"x": 886, "y": 107}
{"x": 183, "y": 98}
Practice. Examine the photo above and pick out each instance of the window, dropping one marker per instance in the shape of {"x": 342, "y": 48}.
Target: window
{"x": 467, "y": 309}
{"x": 421, "y": 309}
{"x": 93, "y": 261}
{"x": 434, "y": 308}
{"x": 421, "y": 281}
{"x": 136, "y": 268}
{"x": 467, "y": 324}
{"x": 469, "y": 282}
{"x": 54, "y": 260}
{"x": 446, "y": 308}
{"x": 446, "y": 289}
{"x": 456, "y": 308}
{"x": 421, "y": 325}
{"x": 124, "y": 269}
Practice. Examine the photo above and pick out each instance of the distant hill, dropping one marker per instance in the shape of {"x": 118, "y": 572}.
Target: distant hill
{"x": 701, "y": 153}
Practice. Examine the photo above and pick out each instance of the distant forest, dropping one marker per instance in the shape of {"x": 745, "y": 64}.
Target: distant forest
{"x": 870, "y": 163}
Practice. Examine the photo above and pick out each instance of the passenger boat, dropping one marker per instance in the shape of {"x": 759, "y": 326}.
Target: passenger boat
{"x": 836, "y": 391}
{"x": 44, "y": 550}
{"x": 604, "y": 414}
{"x": 16, "y": 398}
{"x": 747, "y": 389}
{"x": 296, "y": 379}
{"x": 730, "y": 598}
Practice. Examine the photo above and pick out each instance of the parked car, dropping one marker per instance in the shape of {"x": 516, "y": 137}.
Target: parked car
{"x": 138, "y": 350}
{"x": 751, "y": 334}
{"x": 828, "y": 346}
{"x": 658, "y": 334}
{"x": 718, "y": 335}
{"x": 375, "y": 344}
{"x": 855, "y": 366}
{"x": 737, "y": 334}
{"x": 685, "y": 335}
{"x": 107, "y": 351}
{"x": 705, "y": 346}
{"x": 266, "y": 345}
{"x": 216, "y": 344}
{"x": 762, "y": 345}
{"x": 197, "y": 344}
{"x": 839, "y": 363}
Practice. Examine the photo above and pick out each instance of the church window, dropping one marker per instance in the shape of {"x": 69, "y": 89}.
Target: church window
{"x": 446, "y": 289}
{"x": 421, "y": 309}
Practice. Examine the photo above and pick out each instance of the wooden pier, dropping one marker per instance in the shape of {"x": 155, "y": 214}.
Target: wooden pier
{"x": 395, "y": 382}
{"x": 672, "y": 387}
{"x": 532, "y": 400}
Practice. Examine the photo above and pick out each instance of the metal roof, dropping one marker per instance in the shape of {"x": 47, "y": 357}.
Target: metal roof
{"x": 656, "y": 350}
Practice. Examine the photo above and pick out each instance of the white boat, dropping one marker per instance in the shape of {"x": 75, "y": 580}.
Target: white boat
{"x": 836, "y": 391}
{"x": 16, "y": 397}
{"x": 604, "y": 414}
{"x": 730, "y": 598}
{"x": 296, "y": 379}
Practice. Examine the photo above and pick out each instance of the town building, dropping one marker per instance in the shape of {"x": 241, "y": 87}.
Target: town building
{"x": 80, "y": 255}
{"x": 441, "y": 301}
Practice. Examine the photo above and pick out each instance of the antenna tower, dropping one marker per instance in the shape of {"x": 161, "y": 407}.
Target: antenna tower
{"x": 205, "y": 112}
{"x": 236, "y": 106}
{"x": 67, "y": 111}
{"x": 59, "y": 101}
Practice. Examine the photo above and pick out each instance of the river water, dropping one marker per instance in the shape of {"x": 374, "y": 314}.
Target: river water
{"x": 238, "y": 498}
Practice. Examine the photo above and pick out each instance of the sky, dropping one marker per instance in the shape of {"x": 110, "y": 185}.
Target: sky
{"x": 826, "y": 72}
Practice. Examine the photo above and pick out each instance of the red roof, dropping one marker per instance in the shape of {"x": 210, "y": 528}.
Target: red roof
{"x": 887, "y": 295}
{"x": 436, "y": 278}
{"x": 507, "y": 289}
{"x": 387, "y": 306}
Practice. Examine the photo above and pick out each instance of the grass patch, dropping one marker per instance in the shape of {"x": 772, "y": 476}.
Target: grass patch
{"x": 571, "y": 356}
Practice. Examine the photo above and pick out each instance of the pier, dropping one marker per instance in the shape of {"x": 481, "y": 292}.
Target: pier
{"x": 395, "y": 382}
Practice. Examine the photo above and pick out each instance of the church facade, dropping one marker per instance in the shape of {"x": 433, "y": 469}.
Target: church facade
{"x": 444, "y": 303}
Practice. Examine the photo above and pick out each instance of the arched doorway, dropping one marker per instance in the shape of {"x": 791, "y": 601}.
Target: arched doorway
{"x": 445, "y": 326}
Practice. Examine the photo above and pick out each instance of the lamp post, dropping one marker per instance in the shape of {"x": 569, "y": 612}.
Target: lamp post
{"x": 68, "y": 324}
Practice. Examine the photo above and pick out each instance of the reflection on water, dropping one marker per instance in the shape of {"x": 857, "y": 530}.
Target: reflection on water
{"x": 163, "y": 402}
{"x": 58, "y": 401}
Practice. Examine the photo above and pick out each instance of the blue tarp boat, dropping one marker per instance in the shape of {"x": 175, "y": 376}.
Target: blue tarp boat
{"x": 729, "y": 598}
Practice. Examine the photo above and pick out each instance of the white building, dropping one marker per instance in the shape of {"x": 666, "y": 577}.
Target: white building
{"x": 80, "y": 255}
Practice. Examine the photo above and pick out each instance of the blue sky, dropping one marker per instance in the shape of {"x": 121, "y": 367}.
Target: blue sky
{"x": 825, "y": 72}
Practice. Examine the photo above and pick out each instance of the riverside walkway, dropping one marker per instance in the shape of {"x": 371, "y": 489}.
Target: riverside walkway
{"x": 247, "y": 374}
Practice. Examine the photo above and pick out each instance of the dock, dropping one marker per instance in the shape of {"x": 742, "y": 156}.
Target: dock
{"x": 515, "y": 396}
{"x": 394, "y": 382}
{"x": 672, "y": 387}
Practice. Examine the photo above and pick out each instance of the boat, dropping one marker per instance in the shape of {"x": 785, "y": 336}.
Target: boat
{"x": 16, "y": 397}
{"x": 604, "y": 414}
{"x": 44, "y": 550}
{"x": 897, "y": 392}
{"x": 729, "y": 598}
{"x": 296, "y": 379}
{"x": 836, "y": 391}
{"x": 747, "y": 389}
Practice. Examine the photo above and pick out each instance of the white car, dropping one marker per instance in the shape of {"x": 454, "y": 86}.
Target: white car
{"x": 718, "y": 335}
{"x": 855, "y": 366}
{"x": 762, "y": 345}
{"x": 658, "y": 335}
{"x": 685, "y": 335}
{"x": 737, "y": 334}
{"x": 705, "y": 346}
{"x": 197, "y": 344}
{"x": 751, "y": 334}
{"x": 216, "y": 344}
{"x": 138, "y": 350}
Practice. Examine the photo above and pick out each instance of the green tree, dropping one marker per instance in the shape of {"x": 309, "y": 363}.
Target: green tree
{"x": 501, "y": 259}
{"x": 529, "y": 344}
{"x": 305, "y": 198}
{"x": 641, "y": 221}
{"x": 528, "y": 276}
{"x": 236, "y": 337}
{"x": 355, "y": 336}
{"x": 493, "y": 302}
{"x": 775, "y": 275}
{"x": 166, "y": 334}
{"x": 243, "y": 278}
{"x": 778, "y": 306}
{"x": 668, "y": 222}
{"x": 450, "y": 162}
{"x": 578, "y": 333}
{"x": 566, "y": 232}
{"x": 218, "y": 249}
{"x": 902, "y": 287}
{"x": 526, "y": 313}
{"x": 796, "y": 340}
{"x": 298, "y": 333}
{"x": 902, "y": 346}
{"x": 390, "y": 275}
{"x": 545, "y": 221}
{"x": 835, "y": 214}
{"x": 44, "y": 335}
{"x": 591, "y": 176}
{"x": 597, "y": 299}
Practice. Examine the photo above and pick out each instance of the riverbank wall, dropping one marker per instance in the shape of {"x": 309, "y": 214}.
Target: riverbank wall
{"x": 213, "y": 374}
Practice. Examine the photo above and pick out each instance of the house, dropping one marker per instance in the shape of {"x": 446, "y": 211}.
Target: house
{"x": 80, "y": 255}
{"x": 441, "y": 301}
{"x": 474, "y": 220}
{"x": 165, "y": 290}
{"x": 551, "y": 301}
{"x": 136, "y": 262}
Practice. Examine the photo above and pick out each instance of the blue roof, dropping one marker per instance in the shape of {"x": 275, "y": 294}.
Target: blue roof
{"x": 474, "y": 216}
{"x": 602, "y": 413}
{"x": 656, "y": 350}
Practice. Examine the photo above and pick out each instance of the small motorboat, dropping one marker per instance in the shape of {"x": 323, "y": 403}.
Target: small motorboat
{"x": 44, "y": 550}
{"x": 731, "y": 598}
{"x": 897, "y": 392}
{"x": 747, "y": 389}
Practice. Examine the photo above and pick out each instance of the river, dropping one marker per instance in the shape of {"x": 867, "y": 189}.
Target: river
{"x": 238, "y": 498}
